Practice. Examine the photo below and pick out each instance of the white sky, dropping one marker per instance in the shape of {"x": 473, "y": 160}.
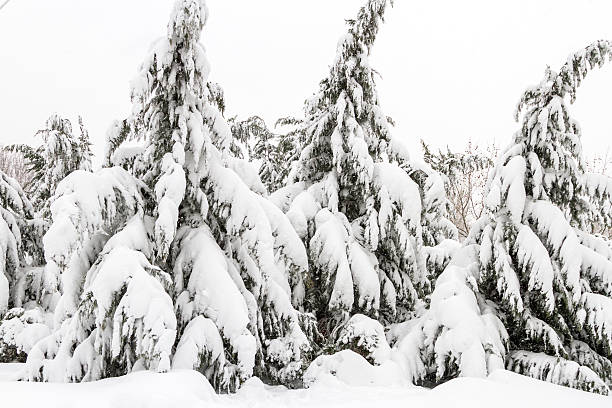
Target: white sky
{"x": 452, "y": 70}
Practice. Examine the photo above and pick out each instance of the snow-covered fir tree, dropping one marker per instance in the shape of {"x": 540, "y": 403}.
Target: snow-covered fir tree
{"x": 243, "y": 131}
{"x": 274, "y": 153}
{"x": 22, "y": 290}
{"x": 265, "y": 152}
{"x": 372, "y": 219}
{"x": 60, "y": 153}
{"x": 175, "y": 258}
{"x": 530, "y": 262}
{"x": 252, "y": 140}
{"x": 291, "y": 137}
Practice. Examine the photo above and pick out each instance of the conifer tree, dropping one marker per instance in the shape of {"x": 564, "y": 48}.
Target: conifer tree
{"x": 176, "y": 261}
{"x": 291, "y": 138}
{"x": 15, "y": 210}
{"x": 274, "y": 153}
{"x": 60, "y": 153}
{"x": 368, "y": 215}
{"x": 265, "y": 151}
{"x": 552, "y": 282}
{"x": 254, "y": 141}
{"x": 243, "y": 132}
{"x": 22, "y": 291}
{"x": 530, "y": 261}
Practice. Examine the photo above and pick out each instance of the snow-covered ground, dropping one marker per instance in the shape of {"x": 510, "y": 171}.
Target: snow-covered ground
{"x": 186, "y": 389}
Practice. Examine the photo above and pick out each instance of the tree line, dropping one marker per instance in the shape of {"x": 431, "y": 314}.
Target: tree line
{"x": 224, "y": 246}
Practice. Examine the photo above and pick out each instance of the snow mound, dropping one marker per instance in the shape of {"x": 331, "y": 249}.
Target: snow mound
{"x": 350, "y": 368}
{"x": 365, "y": 336}
{"x": 187, "y": 389}
{"x": 182, "y": 388}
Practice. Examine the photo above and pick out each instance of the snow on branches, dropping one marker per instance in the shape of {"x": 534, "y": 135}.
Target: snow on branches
{"x": 539, "y": 270}
{"x": 186, "y": 221}
{"x": 365, "y": 211}
{"x": 60, "y": 153}
{"x": 20, "y": 247}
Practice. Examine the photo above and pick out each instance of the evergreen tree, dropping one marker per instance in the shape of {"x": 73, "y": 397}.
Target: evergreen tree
{"x": 177, "y": 261}
{"x": 288, "y": 148}
{"x": 254, "y": 141}
{"x": 60, "y": 153}
{"x": 368, "y": 215}
{"x": 552, "y": 282}
{"x": 266, "y": 153}
{"x": 275, "y": 153}
{"x": 530, "y": 261}
{"x": 15, "y": 209}
{"x": 116, "y": 153}
{"x": 22, "y": 290}
{"x": 241, "y": 145}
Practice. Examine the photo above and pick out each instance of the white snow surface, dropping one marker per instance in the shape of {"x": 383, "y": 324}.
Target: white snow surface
{"x": 189, "y": 389}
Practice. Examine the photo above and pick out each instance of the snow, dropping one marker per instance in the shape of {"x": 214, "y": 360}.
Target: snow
{"x": 329, "y": 251}
{"x": 402, "y": 191}
{"x": 494, "y": 251}
{"x": 169, "y": 192}
{"x": 375, "y": 230}
{"x": 597, "y": 314}
{"x": 144, "y": 312}
{"x": 21, "y": 329}
{"x": 189, "y": 389}
{"x": 533, "y": 256}
{"x": 86, "y": 208}
{"x": 302, "y": 210}
{"x": 289, "y": 250}
{"x": 143, "y": 389}
{"x": 512, "y": 178}
{"x": 4, "y": 292}
{"x": 14, "y": 207}
{"x": 247, "y": 171}
{"x": 456, "y": 330}
{"x": 350, "y": 368}
{"x": 437, "y": 256}
{"x": 555, "y": 370}
{"x": 285, "y": 196}
{"x": 13, "y": 195}
{"x": 124, "y": 317}
{"x": 211, "y": 291}
{"x": 200, "y": 336}
{"x": 364, "y": 268}
{"x": 368, "y": 336}
{"x": 125, "y": 154}
{"x": 536, "y": 328}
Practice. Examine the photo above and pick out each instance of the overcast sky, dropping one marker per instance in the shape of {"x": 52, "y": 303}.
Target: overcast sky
{"x": 451, "y": 70}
